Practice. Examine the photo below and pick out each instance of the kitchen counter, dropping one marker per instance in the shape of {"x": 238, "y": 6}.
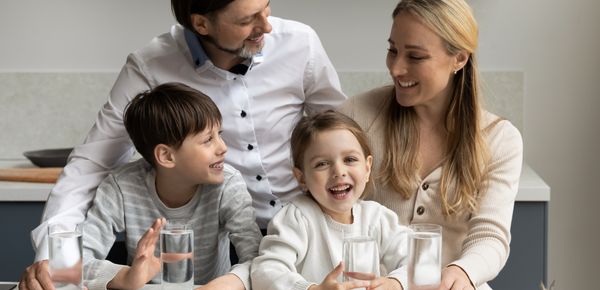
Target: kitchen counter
{"x": 531, "y": 186}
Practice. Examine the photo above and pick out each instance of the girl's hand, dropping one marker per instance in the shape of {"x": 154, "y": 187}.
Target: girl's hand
{"x": 383, "y": 283}
{"x": 225, "y": 282}
{"x": 330, "y": 282}
{"x": 453, "y": 277}
{"x": 145, "y": 265}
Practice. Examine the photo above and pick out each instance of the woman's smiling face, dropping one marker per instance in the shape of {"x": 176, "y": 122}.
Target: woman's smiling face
{"x": 335, "y": 171}
{"x": 419, "y": 63}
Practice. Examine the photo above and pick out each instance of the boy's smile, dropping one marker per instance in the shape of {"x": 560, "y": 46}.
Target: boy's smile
{"x": 201, "y": 157}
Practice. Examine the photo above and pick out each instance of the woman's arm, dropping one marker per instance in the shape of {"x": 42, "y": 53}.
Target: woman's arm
{"x": 486, "y": 247}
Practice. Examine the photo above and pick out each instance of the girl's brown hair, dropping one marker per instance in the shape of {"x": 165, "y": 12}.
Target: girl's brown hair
{"x": 465, "y": 165}
{"x": 307, "y": 128}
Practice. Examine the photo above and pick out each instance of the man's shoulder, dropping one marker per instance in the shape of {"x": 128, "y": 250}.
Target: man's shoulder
{"x": 163, "y": 45}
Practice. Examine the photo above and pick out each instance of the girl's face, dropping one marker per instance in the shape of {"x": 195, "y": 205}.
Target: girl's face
{"x": 335, "y": 171}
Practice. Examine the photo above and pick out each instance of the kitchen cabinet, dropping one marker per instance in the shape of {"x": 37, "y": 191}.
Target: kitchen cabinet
{"x": 21, "y": 206}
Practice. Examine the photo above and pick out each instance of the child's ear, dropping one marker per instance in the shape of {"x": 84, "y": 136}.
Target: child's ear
{"x": 164, "y": 156}
{"x": 369, "y": 162}
{"x": 300, "y": 177}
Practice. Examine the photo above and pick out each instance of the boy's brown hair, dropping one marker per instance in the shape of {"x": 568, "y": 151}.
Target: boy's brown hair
{"x": 166, "y": 115}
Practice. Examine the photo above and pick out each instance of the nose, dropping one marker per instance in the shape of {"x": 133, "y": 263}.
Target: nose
{"x": 222, "y": 149}
{"x": 263, "y": 25}
{"x": 338, "y": 171}
{"x": 397, "y": 66}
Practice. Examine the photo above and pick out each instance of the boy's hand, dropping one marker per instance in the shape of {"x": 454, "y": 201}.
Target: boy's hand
{"x": 330, "y": 282}
{"x": 225, "y": 282}
{"x": 145, "y": 265}
{"x": 383, "y": 283}
{"x": 37, "y": 277}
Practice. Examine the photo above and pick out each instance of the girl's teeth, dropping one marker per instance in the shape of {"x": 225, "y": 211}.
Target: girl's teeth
{"x": 408, "y": 84}
{"x": 218, "y": 165}
{"x": 341, "y": 188}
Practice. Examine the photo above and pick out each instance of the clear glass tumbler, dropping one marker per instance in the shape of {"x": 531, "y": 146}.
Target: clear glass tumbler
{"x": 424, "y": 256}
{"x": 177, "y": 255}
{"x": 360, "y": 255}
{"x": 65, "y": 247}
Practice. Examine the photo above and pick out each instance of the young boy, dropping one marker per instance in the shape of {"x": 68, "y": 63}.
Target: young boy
{"x": 182, "y": 176}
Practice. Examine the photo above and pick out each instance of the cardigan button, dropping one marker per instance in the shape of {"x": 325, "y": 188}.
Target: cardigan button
{"x": 425, "y": 185}
{"x": 243, "y": 114}
{"x": 258, "y": 177}
{"x": 420, "y": 210}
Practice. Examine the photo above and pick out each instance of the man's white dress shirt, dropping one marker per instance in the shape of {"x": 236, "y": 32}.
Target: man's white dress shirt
{"x": 291, "y": 75}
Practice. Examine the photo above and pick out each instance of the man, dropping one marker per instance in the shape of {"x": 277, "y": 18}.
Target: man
{"x": 262, "y": 72}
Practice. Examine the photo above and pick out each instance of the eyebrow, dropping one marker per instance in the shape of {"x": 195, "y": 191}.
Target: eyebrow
{"x": 409, "y": 46}
{"x": 253, "y": 15}
{"x": 345, "y": 152}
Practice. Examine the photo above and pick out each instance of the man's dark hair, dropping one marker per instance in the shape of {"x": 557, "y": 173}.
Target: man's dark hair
{"x": 182, "y": 9}
{"x": 166, "y": 115}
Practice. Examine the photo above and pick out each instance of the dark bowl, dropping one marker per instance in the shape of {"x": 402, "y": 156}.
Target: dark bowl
{"x": 49, "y": 157}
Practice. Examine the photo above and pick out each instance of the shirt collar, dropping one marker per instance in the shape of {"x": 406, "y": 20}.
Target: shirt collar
{"x": 201, "y": 60}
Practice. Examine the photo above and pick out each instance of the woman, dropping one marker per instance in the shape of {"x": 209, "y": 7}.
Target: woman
{"x": 439, "y": 157}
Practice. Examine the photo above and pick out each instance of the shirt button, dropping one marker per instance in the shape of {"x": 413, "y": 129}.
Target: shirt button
{"x": 425, "y": 185}
{"x": 243, "y": 114}
{"x": 258, "y": 177}
{"x": 272, "y": 203}
{"x": 250, "y": 147}
{"x": 420, "y": 210}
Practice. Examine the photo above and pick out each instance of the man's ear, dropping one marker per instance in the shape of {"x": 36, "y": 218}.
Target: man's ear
{"x": 164, "y": 156}
{"x": 300, "y": 177}
{"x": 201, "y": 24}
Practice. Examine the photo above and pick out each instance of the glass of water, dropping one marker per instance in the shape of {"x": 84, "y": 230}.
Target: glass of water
{"x": 360, "y": 254}
{"x": 65, "y": 247}
{"x": 177, "y": 255}
{"x": 424, "y": 256}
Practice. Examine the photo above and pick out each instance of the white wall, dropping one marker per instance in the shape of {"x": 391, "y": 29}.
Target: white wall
{"x": 556, "y": 43}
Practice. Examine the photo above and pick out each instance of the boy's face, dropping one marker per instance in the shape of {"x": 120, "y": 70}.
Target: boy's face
{"x": 200, "y": 158}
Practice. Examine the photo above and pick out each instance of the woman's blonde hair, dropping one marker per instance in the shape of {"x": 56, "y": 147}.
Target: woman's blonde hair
{"x": 464, "y": 166}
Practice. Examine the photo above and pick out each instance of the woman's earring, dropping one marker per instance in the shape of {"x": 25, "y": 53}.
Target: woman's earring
{"x": 455, "y": 71}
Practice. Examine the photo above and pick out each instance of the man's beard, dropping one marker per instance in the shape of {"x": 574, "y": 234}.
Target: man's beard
{"x": 241, "y": 52}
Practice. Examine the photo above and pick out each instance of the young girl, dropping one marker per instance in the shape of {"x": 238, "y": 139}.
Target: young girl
{"x": 303, "y": 246}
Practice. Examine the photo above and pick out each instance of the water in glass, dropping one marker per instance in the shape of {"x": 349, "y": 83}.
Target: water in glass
{"x": 360, "y": 255}
{"x": 65, "y": 260}
{"x": 177, "y": 257}
{"x": 424, "y": 259}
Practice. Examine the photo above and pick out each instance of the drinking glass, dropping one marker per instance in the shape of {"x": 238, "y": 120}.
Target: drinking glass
{"x": 360, "y": 255}
{"x": 65, "y": 247}
{"x": 177, "y": 255}
{"x": 424, "y": 256}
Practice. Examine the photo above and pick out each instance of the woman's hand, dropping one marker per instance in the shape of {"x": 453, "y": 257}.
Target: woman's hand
{"x": 454, "y": 278}
{"x": 383, "y": 283}
{"x": 145, "y": 265}
{"x": 330, "y": 282}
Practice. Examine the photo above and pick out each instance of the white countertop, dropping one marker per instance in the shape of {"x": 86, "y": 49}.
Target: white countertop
{"x": 531, "y": 186}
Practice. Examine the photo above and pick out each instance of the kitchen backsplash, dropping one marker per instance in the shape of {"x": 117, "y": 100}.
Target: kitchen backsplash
{"x": 57, "y": 110}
